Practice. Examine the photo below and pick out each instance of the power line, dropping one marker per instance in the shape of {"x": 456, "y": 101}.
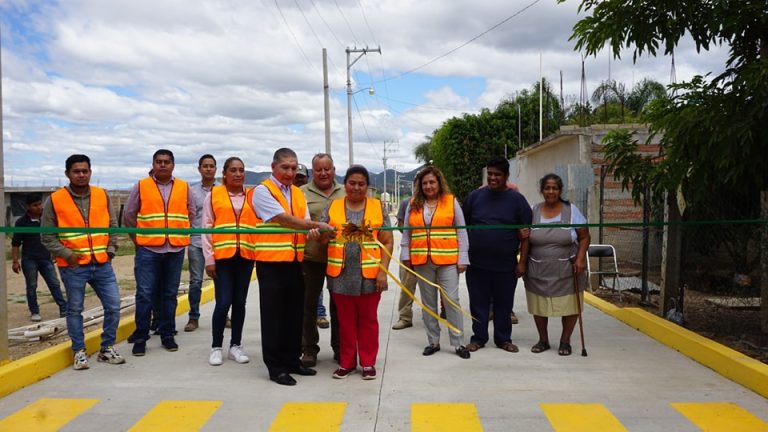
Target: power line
{"x": 365, "y": 18}
{"x": 494, "y": 27}
{"x": 345, "y": 20}
{"x": 313, "y": 31}
{"x": 326, "y": 23}
{"x": 298, "y": 45}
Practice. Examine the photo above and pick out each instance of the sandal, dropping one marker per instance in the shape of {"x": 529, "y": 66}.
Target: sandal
{"x": 474, "y": 346}
{"x": 564, "y": 349}
{"x": 510, "y": 347}
{"x": 540, "y": 347}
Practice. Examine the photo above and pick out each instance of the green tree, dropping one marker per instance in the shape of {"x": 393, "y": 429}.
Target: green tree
{"x": 423, "y": 151}
{"x": 645, "y": 92}
{"x": 710, "y": 125}
{"x": 611, "y": 91}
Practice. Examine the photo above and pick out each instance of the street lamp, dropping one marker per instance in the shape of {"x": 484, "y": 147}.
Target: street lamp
{"x": 362, "y": 52}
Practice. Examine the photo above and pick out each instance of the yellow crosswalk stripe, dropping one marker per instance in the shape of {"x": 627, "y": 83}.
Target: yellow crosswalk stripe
{"x": 46, "y": 414}
{"x": 305, "y": 416}
{"x": 445, "y": 417}
{"x": 585, "y": 417}
{"x": 184, "y": 415}
{"x": 720, "y": 416}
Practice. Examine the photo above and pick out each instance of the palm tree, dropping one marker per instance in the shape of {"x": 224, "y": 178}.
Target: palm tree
{"x": 645, "y": 92}
{"x": 610, "y": 91}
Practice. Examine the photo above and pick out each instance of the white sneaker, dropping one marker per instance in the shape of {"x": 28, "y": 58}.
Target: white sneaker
{"x": 81, "y": 360}
{"x": 35, "y": 318}
{"x": 215, "y": 359}
{"x": 109, "y": 355}
{"x": 237, "y": 354}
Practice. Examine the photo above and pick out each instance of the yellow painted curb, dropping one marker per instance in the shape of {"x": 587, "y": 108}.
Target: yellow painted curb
{"x": 31, "y": 369}
{"x": 742, "y": 369}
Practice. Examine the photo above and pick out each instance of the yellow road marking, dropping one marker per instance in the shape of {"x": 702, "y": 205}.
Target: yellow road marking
{"x": 177, "y": 415}
{"x": 46, "y": 414}
{"x": 445, "y": 417}
{"x": 581, "y": 418}
{"x": 305, "y": 416}
{"x": 715, "y": 417}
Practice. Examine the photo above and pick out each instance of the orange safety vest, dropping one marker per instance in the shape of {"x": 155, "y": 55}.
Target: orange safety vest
{"x": 281, "y": 247}
{"x": 369, "y": 262}
{"x": 154, "y": 213}
{"x": 441, "y": 245}
{"x": 225, "y": 245}
{"x": 88, "y": 245}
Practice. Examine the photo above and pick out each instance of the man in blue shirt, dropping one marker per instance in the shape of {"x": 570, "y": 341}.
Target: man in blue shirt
{"x": 35, "y": 259}
{"x": 492, "y": 274}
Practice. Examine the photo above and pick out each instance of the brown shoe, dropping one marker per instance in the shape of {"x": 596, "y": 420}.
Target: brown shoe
{"x": 323, "y": 323}
{"x": 309, "y": 359}
{"x": 191, "y": 325}
{"x": 509, "y": 347}
{"x": 402, "y": 324}
{"x": 513, "y": 318}
{"x": 474, "y": 346}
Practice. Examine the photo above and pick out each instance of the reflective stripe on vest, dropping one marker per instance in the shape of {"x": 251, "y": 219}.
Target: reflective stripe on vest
{"x": 280, "y": 247}
{"x": 154, "y": 213}
{"x": 440, "y": 245}
{"x": 224, "y": 216}
{"x": 68, "y": 215}
{"x": 338, "y": 217}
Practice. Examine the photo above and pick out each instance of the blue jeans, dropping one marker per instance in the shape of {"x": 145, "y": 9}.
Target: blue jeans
{"x": 31, "y": 267}
{"x": 196, "y": 268}
{"x": 102, "y": 279}
{"x": 320, "y": 306}
{"x": 157, "y": 275}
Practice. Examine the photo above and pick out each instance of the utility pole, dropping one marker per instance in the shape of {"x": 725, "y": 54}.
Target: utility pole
{"x": 361, "y": 52}
{"x": 3, "y": 280}
{"x": 384, "y": 159}
{"x": 327, "y": 102}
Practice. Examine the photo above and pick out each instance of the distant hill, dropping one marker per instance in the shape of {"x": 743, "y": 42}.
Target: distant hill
{"x": 377, "y": 179}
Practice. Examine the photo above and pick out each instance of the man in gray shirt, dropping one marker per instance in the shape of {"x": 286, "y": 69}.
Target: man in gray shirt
{"x": 206, "y": 166}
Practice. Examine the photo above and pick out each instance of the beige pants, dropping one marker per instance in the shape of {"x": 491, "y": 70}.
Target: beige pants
{"x": 405, "y": 304}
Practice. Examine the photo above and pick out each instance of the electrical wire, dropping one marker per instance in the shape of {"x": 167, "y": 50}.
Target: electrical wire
{"x": 298, "y": 45}
{"x": 346, "y": 21}
{"x": 313, "y": 32}
{"x": 446, "y": 54}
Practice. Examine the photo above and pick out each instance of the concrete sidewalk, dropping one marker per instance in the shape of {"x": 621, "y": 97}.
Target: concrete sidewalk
{"x": 628, "y": 379}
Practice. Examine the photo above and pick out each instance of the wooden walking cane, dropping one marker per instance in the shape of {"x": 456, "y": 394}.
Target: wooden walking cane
{"x": 578, "y": 305}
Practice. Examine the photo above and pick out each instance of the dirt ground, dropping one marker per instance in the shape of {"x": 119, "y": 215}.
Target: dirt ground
{"x": 18, "y": 313}
{"x": 738, "y": 329}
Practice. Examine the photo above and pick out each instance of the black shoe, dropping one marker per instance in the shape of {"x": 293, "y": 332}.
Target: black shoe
{"x": 170, "y": 344}
{"x": 139, "y": 349}
{"x": 283, "y": 379}
{"x": 431, "y": 349}
{"x": 303, "y": 371}
{"x": 462, "y": 352}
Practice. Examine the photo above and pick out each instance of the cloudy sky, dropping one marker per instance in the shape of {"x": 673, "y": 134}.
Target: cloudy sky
{"x": 118, "y": 79}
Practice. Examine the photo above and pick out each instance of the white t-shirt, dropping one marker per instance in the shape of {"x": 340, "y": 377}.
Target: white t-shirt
{"x": 576, "y": 218}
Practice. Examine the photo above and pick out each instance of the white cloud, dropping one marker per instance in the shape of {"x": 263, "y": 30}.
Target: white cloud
{"x": 118, "y": 80}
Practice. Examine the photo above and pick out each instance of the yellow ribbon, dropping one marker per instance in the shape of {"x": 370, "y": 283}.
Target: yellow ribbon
{"x": 352, "y": 232}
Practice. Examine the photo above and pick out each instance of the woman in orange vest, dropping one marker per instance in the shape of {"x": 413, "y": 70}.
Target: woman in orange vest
{"x": 436, "y": 254}
{"x": 355, "y": 279}
{"x": 229, "y": 258}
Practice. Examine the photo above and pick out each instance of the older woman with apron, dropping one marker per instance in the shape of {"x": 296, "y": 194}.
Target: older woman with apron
{"x": 554, "y": 257}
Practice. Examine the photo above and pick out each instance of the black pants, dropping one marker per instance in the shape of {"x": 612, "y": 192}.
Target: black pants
{"x": 233, "y": 275}
{"x": 314, "y": 278}
{"x": 485, "y": 287}
{"x": 281, "y": 292}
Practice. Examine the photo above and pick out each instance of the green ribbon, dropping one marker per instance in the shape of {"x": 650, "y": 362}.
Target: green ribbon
{"x": 273, "y": 230}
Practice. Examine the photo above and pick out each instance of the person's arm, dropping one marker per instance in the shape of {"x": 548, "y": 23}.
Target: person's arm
{"x": 113, "y": 240}
{"x": 463, "y": 239}
{"x": 405, "y": 240}
{"x": 526, "y": 218}
{"x": 16, "y": 242}
{"x": 191, "y": 205}
{"x": 269, "y": 210}
{"x": 582, "y": 238}
{"x": 387, "y": 239}
{"x": 131, "y": 209}
{"x": 207, "y": 239}
{"x": 51, "y": 240}
{"x": 522, "y": 263}
{"x": 15, "y": 256}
